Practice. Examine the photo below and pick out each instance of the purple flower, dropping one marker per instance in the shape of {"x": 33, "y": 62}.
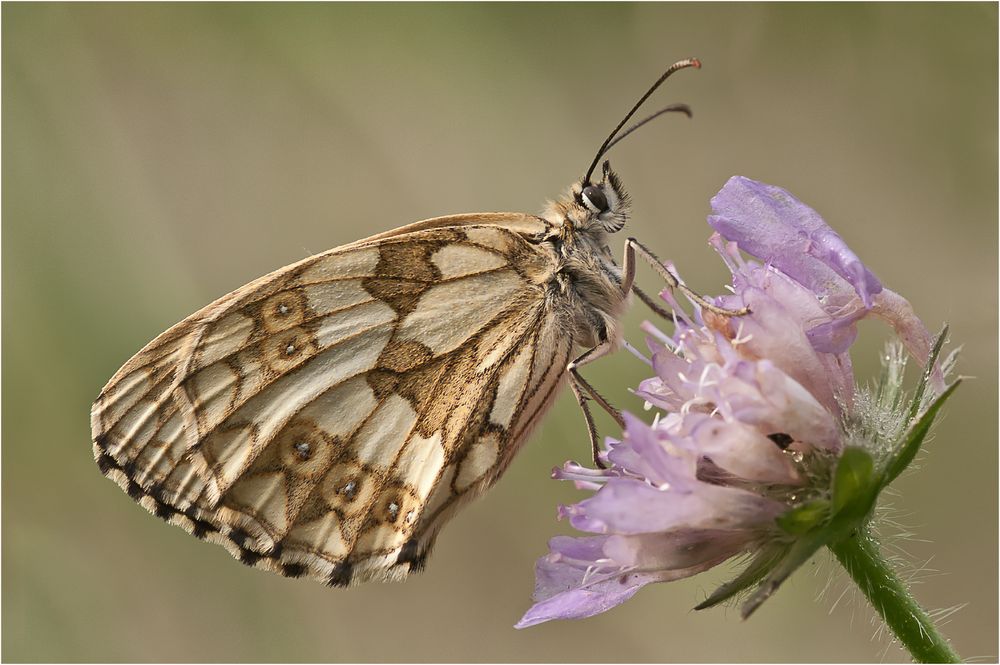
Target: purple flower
{"x": 756, "y": 411}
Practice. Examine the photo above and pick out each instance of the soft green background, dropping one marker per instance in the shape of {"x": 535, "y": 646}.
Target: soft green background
{"x": 158, "y": 156}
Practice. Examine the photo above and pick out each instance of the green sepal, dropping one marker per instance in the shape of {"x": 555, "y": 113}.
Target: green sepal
{"x": 805, "y": 517}
{"x": 796, "y": 555}
{"x": 853, "y": 489}
{"x": 910, "y": 443}
{"x": 753, "y": 573}
{"x": 925, "y": 378}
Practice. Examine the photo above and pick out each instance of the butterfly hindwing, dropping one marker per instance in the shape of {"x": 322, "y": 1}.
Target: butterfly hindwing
{"x": 327, "y": 419}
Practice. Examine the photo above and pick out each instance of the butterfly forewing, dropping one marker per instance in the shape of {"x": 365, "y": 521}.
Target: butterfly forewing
{"x": 328, "y": 418}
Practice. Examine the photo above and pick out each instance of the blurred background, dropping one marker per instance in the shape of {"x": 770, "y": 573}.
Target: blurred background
{"x": 158, "y": 156}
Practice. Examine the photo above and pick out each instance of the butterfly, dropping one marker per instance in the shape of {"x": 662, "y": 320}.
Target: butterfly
{"x": 326, "y": 420}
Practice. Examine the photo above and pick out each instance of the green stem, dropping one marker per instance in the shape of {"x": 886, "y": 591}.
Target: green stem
{"x": 861, "y": 556}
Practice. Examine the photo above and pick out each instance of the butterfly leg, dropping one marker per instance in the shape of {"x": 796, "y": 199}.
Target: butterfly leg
{"x": 632, "y": 248}
{"x": 584, "y": 392}
{"x": 628, "y": 281}
{"x": 648, "y": 301}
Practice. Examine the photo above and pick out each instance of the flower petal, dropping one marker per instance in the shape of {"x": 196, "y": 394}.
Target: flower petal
{"x": 642, "y": 454}
{"x": 689, "y": 550}
{"x": 741, "y": 450}
{"x": 771, "y": 224}
{"x": 578, "y": 599}
{"x": 577, "y": 579}
{"x": 630, "y": 506}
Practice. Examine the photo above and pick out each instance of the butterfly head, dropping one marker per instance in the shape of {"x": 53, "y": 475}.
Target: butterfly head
{"x": 600, "y": 205}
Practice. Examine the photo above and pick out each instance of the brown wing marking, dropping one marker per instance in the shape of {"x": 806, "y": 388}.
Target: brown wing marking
{"x": 489, "y": 448}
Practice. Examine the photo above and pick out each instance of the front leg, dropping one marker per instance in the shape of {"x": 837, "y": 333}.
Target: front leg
{"x": 634, "y": 247}
{"x": 583, "y": 392}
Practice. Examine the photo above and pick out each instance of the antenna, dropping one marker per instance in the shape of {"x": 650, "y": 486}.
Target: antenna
{"x": 611, "y": 140}
{"x": 673, "y": 108}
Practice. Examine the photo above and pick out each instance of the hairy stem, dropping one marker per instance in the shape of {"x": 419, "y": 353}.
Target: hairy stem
{"x": 859, "y": 553}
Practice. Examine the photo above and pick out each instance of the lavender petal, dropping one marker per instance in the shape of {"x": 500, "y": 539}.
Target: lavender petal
{"x": 771, "y": 224}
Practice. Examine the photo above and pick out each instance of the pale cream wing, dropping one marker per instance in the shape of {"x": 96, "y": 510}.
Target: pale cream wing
{"x": 326, "y": 419}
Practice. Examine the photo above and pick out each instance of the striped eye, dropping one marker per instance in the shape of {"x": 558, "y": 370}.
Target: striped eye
{"x": 595, "y": 198}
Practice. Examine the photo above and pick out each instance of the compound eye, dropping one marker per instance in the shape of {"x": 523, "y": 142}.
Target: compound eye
{"x": 595, "y": 198}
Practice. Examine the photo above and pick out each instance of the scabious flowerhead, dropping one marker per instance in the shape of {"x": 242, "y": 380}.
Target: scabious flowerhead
{"x": 748, "y": 454}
